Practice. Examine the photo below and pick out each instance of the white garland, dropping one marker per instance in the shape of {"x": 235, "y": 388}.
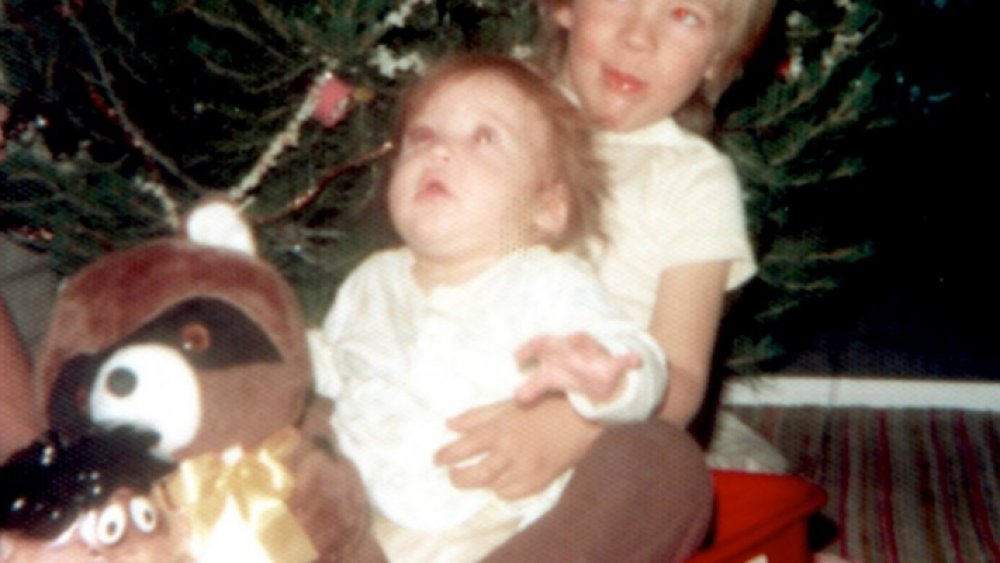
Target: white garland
{"x": 288, "y": 137}
{"x": 398, "y": 17}
{"x": 159, "y": 193}
{"x": 388, "y": 64}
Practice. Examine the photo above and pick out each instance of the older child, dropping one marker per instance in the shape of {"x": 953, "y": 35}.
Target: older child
{"x": 493, "y": 183}
{"x": 676, "y": 234}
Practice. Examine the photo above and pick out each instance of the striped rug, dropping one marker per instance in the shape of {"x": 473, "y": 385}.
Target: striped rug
{"x": 904, "y": 485}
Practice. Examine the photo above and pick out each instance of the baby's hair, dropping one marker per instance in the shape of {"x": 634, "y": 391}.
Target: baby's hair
{"x": 574, "y": 162}
{"x": 747, "y": 22}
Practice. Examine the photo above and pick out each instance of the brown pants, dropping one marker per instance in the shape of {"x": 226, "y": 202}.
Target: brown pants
{"x": 642, "y": 494}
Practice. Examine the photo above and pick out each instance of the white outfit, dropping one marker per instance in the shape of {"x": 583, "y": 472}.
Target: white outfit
{"x": 677, "y": 200}
{"x": 399, "y": 362}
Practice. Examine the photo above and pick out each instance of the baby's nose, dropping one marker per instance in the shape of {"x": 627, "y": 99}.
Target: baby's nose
{"x": 441, "y": 150}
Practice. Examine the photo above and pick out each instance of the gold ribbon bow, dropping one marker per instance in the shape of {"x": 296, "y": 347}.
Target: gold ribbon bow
{"x": 257, "y": 483}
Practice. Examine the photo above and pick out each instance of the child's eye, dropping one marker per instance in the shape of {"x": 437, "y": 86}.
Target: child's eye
{"x": 686, "y": 17}
{"x": 485, "y": 135}
{"x": 418, "y": 135}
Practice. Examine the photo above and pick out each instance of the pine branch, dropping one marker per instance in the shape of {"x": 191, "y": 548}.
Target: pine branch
{"x": 136, "y": 136}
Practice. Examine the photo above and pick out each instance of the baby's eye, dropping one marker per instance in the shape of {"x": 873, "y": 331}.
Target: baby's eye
{"x": 485, "y": 135}
{"x": 418, "y": 135}
{"x": 687, "y": 17}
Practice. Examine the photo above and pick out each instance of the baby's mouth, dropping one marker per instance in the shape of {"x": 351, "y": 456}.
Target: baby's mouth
{"x": 432, "y": 189}
{"x": 622, "y": 82}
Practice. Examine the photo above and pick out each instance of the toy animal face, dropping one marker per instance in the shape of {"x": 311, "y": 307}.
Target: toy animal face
{"x": 48, "y": 485}
{"x": 129, "y": 527}
{"x": 156, "y": 354}
{"x": 158, "y": 377}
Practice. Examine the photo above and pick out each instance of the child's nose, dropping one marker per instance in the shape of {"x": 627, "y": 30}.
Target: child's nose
{"x": 441, "y": 149}
{"x": 638, "y": 31}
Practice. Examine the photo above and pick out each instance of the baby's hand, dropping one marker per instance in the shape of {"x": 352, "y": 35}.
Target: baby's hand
{"x": 572, "y": 363}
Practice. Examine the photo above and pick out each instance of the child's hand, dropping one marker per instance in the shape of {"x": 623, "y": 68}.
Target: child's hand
{"x": 517, "y": 451}
{"x": 572, "y": 363}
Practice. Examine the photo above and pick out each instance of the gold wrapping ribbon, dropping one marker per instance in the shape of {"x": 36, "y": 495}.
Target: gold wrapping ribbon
{"x": 257, "y": 483}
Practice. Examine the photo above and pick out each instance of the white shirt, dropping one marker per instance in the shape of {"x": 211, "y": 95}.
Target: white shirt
{"x": 675, "y": 200}
{"x": 399, "y": 362}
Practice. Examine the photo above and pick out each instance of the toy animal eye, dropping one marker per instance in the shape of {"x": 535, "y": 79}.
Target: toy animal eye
{"x": 111, "y": 525}
{"x": 143, "y": 514}
{"x": 195, "y": 338}
{"x": 121, "y": 382}
{"x": 165, "y": 398}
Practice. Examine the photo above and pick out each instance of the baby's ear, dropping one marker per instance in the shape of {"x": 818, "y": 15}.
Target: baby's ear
{"x": 561, "y": 14}
{"x": 552, "y": 215}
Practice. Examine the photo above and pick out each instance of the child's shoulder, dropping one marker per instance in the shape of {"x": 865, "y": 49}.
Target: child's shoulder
{"x": 385, "y": 258}
{"x": 664, "y": 154}
{"x": 666, "y": 135}
{"x": 555, "y": 267}
{"x": 380, "y": 264}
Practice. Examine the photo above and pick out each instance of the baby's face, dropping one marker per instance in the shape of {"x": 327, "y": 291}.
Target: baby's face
{"x": 473, "y": 163}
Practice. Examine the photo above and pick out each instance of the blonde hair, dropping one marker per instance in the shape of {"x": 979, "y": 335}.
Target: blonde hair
{"x": 746, "y": 22}
{"x": 575, "y": 164}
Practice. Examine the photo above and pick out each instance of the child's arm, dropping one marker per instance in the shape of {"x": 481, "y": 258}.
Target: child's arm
{"x": 518, "y": 459}
{"x": 521, "y": 448}
{"x": 685, "y": 322}
{"x": 584, "y": 344}
{"x": 570, "y": 363}
{"x": 523, "y": 460}
{"x": 601, "y": 384}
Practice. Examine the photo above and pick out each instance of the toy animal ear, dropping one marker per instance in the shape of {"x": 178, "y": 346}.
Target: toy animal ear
{"x": 219, "y": 223}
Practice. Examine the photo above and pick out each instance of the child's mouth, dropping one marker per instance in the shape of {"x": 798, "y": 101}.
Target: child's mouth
{"x": 622, "y": 82}
{"x": 432, "y": 189}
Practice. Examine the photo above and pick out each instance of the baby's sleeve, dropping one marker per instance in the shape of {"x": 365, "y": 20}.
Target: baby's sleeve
{"x": 642, "y": 389}
{"x": 588, "y": 307}
{"x": 325, "y": 377}
{"x": 322, "y": 340}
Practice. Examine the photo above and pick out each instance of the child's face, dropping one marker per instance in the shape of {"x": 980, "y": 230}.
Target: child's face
{"x": 472, "y": 178}
{"x": 635, "y": 62}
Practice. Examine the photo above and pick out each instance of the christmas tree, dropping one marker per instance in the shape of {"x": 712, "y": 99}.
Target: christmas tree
{"x": 118, "y": 115}
{"x": 851, "y": 130}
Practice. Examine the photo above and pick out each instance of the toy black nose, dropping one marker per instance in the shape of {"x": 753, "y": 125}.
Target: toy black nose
{"x": 121, "y": 382}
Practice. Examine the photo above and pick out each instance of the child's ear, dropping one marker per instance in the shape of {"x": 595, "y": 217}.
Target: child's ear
{"x": 718, "y": 75}
{"x": 552, "y": 215}
{"x": 715, "y": 69}
{"x": 563, "y": 14}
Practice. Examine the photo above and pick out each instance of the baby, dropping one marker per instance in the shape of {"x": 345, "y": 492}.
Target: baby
{"x": 494, "y": 193}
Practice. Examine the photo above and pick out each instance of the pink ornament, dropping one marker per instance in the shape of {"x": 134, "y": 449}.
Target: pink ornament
{"x": 333, "y": 97}
{"x": 4, "y": 114}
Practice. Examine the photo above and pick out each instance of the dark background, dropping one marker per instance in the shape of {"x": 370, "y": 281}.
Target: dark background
{"x": 926, "y": 304}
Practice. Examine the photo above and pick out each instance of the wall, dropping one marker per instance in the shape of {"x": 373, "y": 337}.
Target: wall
{"x": 28, "y": 286}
